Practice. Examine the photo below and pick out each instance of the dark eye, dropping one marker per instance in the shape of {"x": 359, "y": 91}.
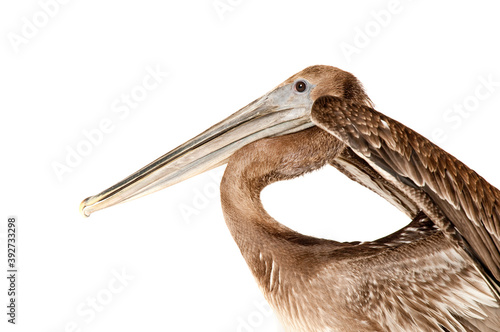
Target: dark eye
{"x": 300, "y": 86}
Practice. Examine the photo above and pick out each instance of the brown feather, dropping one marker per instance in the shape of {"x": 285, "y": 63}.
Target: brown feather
{"x": 334, "y": 114}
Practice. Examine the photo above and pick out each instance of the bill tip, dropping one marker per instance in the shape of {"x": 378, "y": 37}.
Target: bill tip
{"x": 83, "y": 208}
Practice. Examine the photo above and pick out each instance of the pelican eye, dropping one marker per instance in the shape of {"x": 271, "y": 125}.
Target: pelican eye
{"x": 300, "y": 86}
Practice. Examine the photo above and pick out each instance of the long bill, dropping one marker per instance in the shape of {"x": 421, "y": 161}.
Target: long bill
{"x": 270, "y": 115}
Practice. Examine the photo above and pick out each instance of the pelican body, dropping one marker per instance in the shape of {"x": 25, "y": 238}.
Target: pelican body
{"x": 439, "y": 273}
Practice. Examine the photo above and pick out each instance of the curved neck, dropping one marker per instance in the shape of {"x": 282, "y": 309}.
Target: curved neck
{"x": 264, "y": 242}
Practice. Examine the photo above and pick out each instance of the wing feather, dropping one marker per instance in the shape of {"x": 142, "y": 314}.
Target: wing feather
{"x": 467, "y": 200}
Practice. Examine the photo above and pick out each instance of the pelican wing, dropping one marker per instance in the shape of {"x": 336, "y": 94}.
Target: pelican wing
{"x": 443, "y": 292}
{"x": 433, "y": 177}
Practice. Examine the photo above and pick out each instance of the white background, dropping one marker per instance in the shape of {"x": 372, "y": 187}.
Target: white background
{"x": 188, "y": 274}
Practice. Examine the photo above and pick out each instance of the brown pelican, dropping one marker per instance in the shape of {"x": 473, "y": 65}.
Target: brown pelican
{"x": 439, "y": 273}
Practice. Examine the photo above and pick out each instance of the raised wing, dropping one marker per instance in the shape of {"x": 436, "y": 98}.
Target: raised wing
{"x": 424, "y": 171}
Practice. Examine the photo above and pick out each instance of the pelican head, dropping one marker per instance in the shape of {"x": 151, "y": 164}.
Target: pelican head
{"x": 285, "y": 109}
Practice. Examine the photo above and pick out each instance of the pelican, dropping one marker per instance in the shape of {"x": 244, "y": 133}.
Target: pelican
{"x": 439, "y": 273}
